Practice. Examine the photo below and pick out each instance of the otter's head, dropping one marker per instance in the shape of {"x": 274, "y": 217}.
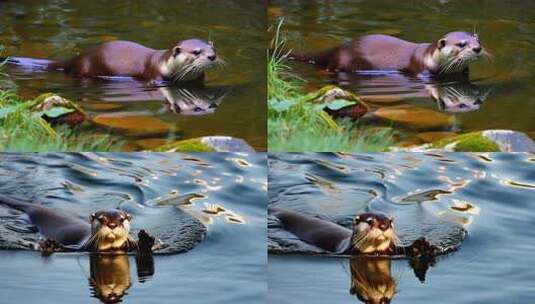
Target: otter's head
{"x": 373, "y": 234}
{"x": 455, "y": 51}
{"x": 110, "y": 230}
{"x": 189, "y": 58}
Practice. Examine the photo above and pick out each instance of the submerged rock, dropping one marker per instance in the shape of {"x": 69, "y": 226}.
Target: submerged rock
{"x": 134, "y": 125}
{"x": 208, "y": 144}
{"x": 415, "y": 117}
{"x": 434, "y": 136}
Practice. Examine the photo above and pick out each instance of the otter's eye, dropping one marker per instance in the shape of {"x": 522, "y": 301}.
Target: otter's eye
{"x": 197, "y": 52}
{"x": 461, "y": 44}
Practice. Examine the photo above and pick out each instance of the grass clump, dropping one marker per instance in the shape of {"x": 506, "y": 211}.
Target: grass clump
{"x": 21, "y": 130}
{"x": 296, "y": 125}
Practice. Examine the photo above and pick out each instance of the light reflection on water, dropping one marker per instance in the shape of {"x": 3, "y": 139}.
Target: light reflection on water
{"x": 478, "y": 191}
{"x": 150, "y": 186}
{"x": 499, "y": 95}
{"x": 230, "y": 104}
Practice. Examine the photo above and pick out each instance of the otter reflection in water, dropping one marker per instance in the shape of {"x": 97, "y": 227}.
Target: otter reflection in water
{"x": 457, "y": 95}
{"x": 372, "y": 281}
{"x": 110, "y": 275}
{"x": 193, "y": 101}
{"x": 182, "y": 100}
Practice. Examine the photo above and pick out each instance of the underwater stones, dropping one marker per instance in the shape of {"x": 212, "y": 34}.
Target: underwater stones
{"x": 414, "y": 117}
{"x": 434, "y": 136}
{"x": 133, "y": 125}
{"x": 207, "y": 144}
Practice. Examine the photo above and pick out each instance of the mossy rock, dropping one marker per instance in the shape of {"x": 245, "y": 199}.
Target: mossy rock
{"x": 57, "y": 109}
{"x": 207, "y": 144}
{"x": 470, "y": 142}
{"x": 337, "y": 102}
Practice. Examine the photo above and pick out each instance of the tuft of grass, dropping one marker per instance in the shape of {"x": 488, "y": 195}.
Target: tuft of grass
{"x": 23, "y": 131}
{"x": 297, "y": 126}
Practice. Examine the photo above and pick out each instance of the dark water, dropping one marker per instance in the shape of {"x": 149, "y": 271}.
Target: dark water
{"x": 499, "y": 95}
{"x": 491, "y": 265}
{"x": 232, "y": 102}
{"x": 149, "y": 186}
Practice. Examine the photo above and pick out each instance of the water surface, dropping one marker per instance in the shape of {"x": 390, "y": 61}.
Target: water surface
{"x": 232, "y": 102}
{"x": 490, "y": 265}
{"x": 149, "y": 186}
{"x": 499, "y": 94}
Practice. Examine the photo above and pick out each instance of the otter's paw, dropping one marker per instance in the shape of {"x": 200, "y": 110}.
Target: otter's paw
{"x": 422, "y": 248}
{"x": 50, "y": 246}
{"x": 145, "y": 241}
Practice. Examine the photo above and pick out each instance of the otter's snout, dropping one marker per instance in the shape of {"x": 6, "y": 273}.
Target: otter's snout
{"x": 477, "y": 49}
{"x": 112, "y": 225}
{"x": 384, "y": 226}
{"x": 211, "y": 57}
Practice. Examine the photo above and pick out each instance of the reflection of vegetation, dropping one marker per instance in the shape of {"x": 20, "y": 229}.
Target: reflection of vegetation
{"x": 296, "y": 125}
{"x": 22, "y": 130}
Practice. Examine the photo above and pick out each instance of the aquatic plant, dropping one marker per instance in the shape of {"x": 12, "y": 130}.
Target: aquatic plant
{"x": 297, "y": 125}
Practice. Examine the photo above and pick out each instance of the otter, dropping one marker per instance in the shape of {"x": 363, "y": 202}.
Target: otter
{"x": 185, "y": 61}
{"x": 451, "y": 54}
{"x": 372, "y": 234}
{"x": 106, "y": 231}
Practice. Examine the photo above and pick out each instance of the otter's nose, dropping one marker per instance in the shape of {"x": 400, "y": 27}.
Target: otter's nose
{"x": 212, "y": 57}
{"x": 477, "y": 49}
{"x": 383, "y": 226}
{"x": 112, "y": 225}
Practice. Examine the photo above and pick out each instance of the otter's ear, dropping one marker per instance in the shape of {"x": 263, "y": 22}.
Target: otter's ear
{"x": 92, "y": 217}
{"x": 441, "y": 43}
{"x": 129, "y": 217}
{"x": 176, "y": 51}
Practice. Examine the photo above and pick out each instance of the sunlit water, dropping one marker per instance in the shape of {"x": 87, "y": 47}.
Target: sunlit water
{"x": 499, "y": 95}
{"x": 491, "y": 264}
{"x": 227, "y": 266}
{"x": 232, "y": 102}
